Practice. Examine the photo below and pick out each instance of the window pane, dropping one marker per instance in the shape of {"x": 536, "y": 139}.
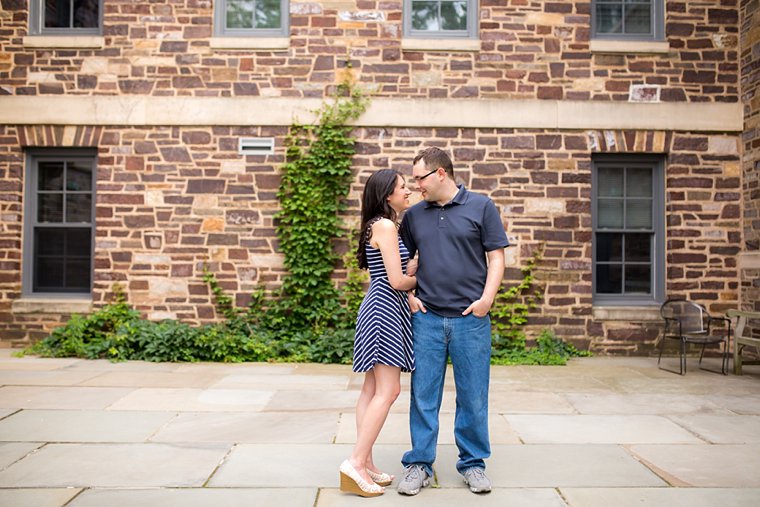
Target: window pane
{"x": 239, "y": 13}
{"x": 78, "y": 177}
{"x": 638, "y": 279}
{"x": 50, "y": 208}
{"x": 609, "y": 279}
{"x": 609, "y": 247}
{"x": 62, "y": 260}
{"x": 638, "y": 17}
{"x": 610, "y": 182}
{"x": 48, "y": 273}
{"x": 609, "y": 18}
{"x": 78, "y": 243}
{"x": 57, "y": 13}
{"x": 49, "y": 241}
{"x": 425, "y": 16}
{"x": 77, "y": 274}
{"x": 454, "y": 15}
{"x": 638, "y": 182}
{"x": 49, "y": 259}
{"x": 638, "y": 214}
{"x": 638, "y": 247}
{"x": 85, "y": 13}
{"x": 78, "y": 207}
{"x": 610, "y": 213}
{"x": 268, "y": 14}
{"x": 50, "y": 176}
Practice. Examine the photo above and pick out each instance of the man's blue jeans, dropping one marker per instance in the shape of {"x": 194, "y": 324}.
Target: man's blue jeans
{"x": 467, "y": 340}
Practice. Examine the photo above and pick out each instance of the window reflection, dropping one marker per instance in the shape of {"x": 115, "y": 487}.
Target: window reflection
{"x": 72, "y": 13}
{"x": 254, "y": 14}
{"x": 439, "y": 15}
{"x": 624, "y": 16}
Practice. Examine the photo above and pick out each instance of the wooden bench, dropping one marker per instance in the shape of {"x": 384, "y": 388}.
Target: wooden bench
{"x": 741, "y": 341}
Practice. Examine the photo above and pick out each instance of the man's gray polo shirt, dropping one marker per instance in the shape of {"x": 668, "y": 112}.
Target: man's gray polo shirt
{"x": 452, "y": 241}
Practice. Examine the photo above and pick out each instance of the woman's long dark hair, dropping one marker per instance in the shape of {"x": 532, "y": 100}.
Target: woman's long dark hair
{"x": 375, "y": 206}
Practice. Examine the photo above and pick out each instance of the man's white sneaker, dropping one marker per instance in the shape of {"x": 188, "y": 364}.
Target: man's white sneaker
{"x": 413, "y": 480}
{"x": 477, "y": 480}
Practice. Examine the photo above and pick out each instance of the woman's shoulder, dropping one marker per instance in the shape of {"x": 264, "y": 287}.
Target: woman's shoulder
{"x": 384, "y": 225}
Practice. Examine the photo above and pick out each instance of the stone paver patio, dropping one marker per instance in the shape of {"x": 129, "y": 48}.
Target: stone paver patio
{"x": 598, "y": 432}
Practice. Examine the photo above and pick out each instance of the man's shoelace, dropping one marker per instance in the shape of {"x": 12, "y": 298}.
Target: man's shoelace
{"x": 478, "y": 473}
{"x": 414, "y": 473}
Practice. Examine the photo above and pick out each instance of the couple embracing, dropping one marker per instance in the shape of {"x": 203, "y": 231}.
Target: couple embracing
{"x": 418, "y": 313}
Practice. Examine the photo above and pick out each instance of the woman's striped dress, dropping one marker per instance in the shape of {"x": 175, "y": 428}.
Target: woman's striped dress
{"x": 384, "y": 324}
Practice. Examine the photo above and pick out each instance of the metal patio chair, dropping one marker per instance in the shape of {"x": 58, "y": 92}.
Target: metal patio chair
{"x": 740, "y": 340}
{"x": 689, "y": 322}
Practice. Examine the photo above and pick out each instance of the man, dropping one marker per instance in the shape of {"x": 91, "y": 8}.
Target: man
{"x": 460, "y": 239}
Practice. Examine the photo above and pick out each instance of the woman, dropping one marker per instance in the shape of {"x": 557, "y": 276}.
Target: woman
{"x": 383, "y": 342}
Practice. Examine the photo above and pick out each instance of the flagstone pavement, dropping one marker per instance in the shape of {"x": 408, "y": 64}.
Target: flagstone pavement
{"x": 598, "y": 432}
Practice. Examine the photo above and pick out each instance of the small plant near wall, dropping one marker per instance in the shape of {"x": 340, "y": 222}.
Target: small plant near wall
{"x": 510, "y": 315}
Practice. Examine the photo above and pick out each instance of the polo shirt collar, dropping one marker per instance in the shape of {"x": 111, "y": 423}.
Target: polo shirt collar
{"x": 459, "y": 198}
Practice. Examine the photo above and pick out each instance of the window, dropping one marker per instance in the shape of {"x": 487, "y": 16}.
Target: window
{"x": 246, "y": 18}
{"x": 66, "y": 17}
{"x": 59, "y": 222}
{"x": 628, "y": 19}
{"x": 441, "y": 18}
{"x": 629, "y": 228}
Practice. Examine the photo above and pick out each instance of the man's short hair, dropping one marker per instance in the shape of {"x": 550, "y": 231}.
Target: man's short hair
{"x": 434, "y": 158}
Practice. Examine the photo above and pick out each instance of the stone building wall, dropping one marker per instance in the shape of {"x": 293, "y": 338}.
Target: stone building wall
{"x": 528, "y": 50}
{"x": 173, "y": 196}
{"x": 750, "y": 86}
{"x": 171, "y": 199}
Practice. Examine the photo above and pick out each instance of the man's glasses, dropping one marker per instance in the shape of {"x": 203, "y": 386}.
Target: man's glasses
{"x": 420, "y": 178}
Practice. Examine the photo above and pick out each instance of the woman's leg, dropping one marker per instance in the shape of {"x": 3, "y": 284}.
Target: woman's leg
{"x": 367, "y": 392}
{"x": 387, "y": 380}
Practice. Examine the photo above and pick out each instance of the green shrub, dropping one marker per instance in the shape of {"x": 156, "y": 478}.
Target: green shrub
{"x": 549, "y": 350}
{"x": 88, "y": 336}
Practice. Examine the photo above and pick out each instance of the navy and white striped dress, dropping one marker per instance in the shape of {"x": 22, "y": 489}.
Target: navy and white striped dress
{"x": 384, "y": 323}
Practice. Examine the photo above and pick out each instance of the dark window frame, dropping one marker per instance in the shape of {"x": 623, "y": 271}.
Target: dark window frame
{"x": 221, "y": 30}
{"x": 657, "y": 19}
{"x": 658, "y": 242}
{"x": 37, "y": 22}
{"x": 472, "y": 32}
{"x": 31, "y": 224}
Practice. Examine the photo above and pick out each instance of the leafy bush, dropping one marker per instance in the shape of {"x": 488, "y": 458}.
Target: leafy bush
{"x": 549, "y": 350}
{"x": 88, "y": 336}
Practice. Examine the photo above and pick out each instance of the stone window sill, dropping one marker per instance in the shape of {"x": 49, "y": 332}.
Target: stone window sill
{"x": 51, "y": 305}
{"x": 414, "y": 44}
{"x": 627, "y": 313}
{"x": 250, "y": 43}
{"x": 64, "y": 41}
{"x": 629, "y": 47}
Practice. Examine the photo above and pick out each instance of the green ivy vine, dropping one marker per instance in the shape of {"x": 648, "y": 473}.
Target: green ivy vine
{"x": 316, "y": 179}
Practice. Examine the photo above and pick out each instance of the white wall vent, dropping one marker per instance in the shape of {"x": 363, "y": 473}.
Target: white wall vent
{"x": 256, "y": 146}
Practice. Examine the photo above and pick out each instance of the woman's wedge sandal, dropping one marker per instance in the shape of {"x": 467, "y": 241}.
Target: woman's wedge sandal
{"x": 352, "y": 482}
{"x": 380, "y": 478}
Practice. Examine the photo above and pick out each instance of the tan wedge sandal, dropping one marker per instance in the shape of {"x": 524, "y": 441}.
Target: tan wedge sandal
{"x": 352, "y": 482}
{"x": 380, "y": 478}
